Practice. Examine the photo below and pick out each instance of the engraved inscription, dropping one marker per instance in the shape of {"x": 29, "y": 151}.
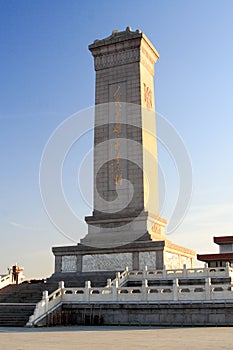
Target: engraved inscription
{"x": 156, "y": 228}
{"x": 147, "y": 60}
{"x": 147, "y": 259}
{"x": 69, "y": 263}
{"x": 172, "y": 261}
{"x": 107, "y": 262}
{"x": 147, "y": 96}
{"x": 117, "y": 130}
{"x": 175, "y": 261}
{"x": 185, "y": 260}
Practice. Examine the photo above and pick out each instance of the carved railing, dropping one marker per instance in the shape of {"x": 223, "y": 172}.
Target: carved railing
{"x": 116, "y": 294}
{"x": 203, "y": 272}
{"x": 120, "y": 279}
{"x": 171, "y": 274}
{"x": 5, "y": 281}
{"x": 47, "y": 305}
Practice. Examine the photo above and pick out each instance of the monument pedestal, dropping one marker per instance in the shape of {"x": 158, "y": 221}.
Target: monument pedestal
{"x": 117, "y": 230}
{"x": 135, "y": 255}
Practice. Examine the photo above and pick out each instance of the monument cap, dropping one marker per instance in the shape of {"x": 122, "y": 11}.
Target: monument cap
{"x": 117, "y": 38}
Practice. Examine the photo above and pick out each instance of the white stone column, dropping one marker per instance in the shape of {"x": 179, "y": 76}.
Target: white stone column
{"x": 115, "y": 290}
{"x": 87, "y": 290}
{"x": 46, "y": 300}
{"x": 175, "y": 289}
{"x": 208, "y": 292}
{"x": 145, "y": 272}
{"x": 61, "y": 284}
{"x": 184, "y": 270}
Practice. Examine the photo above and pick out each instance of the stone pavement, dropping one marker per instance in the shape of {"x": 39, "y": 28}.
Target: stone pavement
{"x": 125, "y": 338}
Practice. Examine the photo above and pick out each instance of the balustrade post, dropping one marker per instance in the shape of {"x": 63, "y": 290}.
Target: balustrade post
{"x": 114, "y": 290}
{"x": 175, "y": 289}
{"x": 109, "y": 282}
{"x": 145, "y": 271}
{"x": 45, "y": 298}
{"x": 227, "y": 268}
{"x": 164, "y": 271}
{"x": 144, "y": 290}
{"x": 118, "y": 275}
{"x": 87, "y": 290}
{"x": 208, "y": 293}
{"x": 206, "y": 270}
{"x": 61, "y": 285}
{"x": 184, "y": 270}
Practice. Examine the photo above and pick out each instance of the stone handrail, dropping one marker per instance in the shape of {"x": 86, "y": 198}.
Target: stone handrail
{"x": 48, "y": 303}
{"x": 5, "y": 281}
{"x": 144, "y": 293}
{"x": 120, "y": 278}
{"x": 203, "y": 272}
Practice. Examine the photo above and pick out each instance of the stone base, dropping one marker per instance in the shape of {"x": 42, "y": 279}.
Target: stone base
{"x": 119, "y": 230}
{"x": 135, "y": 256}
{"x": 166, "y": 314}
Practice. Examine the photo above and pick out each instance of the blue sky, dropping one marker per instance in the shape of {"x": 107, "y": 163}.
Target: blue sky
{"x": 46, "y": 75}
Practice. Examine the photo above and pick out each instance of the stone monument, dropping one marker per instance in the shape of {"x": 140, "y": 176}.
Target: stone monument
{"x": 125, "y": 228}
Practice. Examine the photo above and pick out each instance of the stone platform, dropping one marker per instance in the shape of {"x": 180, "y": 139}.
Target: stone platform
{"x": 135, "y": 255}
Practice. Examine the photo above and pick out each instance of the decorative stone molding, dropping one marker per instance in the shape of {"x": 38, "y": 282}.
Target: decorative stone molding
{"x": 117, "y": 59}
{"x": 147, "y": 61}
{"x": 69, "y": 263}
{"x": 5, "y": 280}
{"x": 107, "y": 262}
{"x": 175, "y": 248}
{"x": 147, "y": 259}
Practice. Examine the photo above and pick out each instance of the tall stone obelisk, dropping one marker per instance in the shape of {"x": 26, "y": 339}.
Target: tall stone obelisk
{"x": 126, "y": 203}
{"x": 125, "y": 228}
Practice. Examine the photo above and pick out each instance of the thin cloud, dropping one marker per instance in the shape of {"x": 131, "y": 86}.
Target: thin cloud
{"x": 24, "y": 227}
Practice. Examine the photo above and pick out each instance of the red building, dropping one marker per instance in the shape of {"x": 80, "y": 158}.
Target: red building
{"x": 225, "y": 253}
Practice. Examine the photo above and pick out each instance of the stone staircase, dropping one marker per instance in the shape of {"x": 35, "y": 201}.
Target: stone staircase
{"x": 98, "y": 278}
{"x": 15, "y": 315}
{"x": 17, "y": 302}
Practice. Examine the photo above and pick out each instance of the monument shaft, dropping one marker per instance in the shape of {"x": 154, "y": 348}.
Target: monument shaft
{"x": 125, "y": 155}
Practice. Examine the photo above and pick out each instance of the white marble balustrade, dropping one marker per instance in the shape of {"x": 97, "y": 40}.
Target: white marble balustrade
{"x": 116, "y": 292}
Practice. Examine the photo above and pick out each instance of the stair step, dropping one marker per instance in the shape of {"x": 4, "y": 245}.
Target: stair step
{"x": 17, "y": 302}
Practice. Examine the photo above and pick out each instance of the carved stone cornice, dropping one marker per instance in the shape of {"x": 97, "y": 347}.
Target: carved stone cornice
{"x": 122, "y": 48}
{"x": 149, "y": 55}
{"x": 116, "y": 38}
{"x": 169, "y": 246}
{"x": 117, "y": 59}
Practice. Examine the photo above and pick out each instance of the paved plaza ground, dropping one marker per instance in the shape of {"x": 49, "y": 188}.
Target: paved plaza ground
{"x": 116, "y": 338}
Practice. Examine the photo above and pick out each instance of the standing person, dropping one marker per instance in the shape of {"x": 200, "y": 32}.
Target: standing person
{"x": 14, "y": 272}
{"x": 18, "y": 270}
